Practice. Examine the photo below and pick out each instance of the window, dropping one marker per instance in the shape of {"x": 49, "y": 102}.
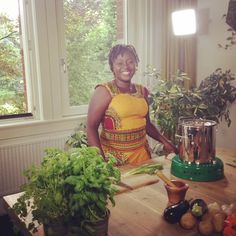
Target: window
{"x": 42, "y": 41}
{"x": 13, "y": 82}
{"x": 90, "y": 29}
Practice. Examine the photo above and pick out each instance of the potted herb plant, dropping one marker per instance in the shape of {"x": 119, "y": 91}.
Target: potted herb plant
{"x": 170, "y": 100}
{"x": 69, "y": 192}
{"x": 78, "y": 138}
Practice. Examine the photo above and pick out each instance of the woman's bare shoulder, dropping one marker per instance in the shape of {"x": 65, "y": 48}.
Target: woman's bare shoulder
{"x": 101, "y": 95}
{"x": 102, "y": 91}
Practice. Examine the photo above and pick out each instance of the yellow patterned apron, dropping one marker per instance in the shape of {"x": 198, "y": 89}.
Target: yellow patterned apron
{"x": 123, "y": 126}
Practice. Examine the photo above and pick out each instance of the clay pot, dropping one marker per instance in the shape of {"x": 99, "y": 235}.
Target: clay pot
{"x": 176, "y": 194}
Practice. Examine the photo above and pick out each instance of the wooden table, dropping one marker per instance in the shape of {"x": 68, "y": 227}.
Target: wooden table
{"x": 139, "y": 212}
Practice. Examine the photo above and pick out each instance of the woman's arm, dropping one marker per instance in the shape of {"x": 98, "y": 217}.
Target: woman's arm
{"x": 97, "y": 107}
{"x": 153, "y": 132}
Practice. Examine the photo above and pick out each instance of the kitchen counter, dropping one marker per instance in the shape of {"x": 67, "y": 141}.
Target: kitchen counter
{"x": 139, "y": 212}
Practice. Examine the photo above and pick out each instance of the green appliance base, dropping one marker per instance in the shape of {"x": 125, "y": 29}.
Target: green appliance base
{"x": 197, "y": 172}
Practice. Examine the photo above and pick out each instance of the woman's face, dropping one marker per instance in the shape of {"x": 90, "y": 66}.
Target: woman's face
{"x": 124, "y": 67}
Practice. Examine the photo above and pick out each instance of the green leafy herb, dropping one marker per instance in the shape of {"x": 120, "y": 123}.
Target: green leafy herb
{"x": 78, "y": 138}
{"x": 74, "y": 185}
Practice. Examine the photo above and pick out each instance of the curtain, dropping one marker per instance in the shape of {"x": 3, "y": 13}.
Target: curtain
{"x": 178, "y": 52}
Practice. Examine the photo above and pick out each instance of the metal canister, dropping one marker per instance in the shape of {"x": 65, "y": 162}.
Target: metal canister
{"x": 197, "y": 140}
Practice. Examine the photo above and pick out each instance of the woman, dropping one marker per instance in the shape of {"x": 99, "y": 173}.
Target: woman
{"x": 122, "y": 108}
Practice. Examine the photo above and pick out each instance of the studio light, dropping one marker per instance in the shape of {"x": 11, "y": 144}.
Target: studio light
{"x": 184, "y": 22}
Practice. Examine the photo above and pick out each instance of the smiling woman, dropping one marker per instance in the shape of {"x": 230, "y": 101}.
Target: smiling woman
{"x": 122, "y": 108}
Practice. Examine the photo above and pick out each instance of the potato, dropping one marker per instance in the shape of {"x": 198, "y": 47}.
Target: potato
{"x": 206, "y": 216}
{"x": 218, "y": 222}
{"x": 214, "y": 208}
{"x": 188, "y": 221}
{"x": 228, "y": 209}
{"x": 205, "y": 228}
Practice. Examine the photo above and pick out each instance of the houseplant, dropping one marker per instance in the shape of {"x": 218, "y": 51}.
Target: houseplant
{"x": 70, "y": 189}
{"x": 170, "y": 100}
{"x": 78, "y": 138}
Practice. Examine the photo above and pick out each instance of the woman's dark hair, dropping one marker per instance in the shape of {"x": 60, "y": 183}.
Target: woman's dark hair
{"x": 120, "y": 49}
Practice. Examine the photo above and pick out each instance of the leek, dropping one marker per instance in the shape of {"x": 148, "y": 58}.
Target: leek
{"x": 144, "y": 169}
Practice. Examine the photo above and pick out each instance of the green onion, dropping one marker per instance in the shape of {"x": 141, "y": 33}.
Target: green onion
{"x": 144, "y": 169}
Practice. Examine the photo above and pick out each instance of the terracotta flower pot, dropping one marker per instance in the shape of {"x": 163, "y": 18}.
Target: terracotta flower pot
{"x": 176, "y": 194}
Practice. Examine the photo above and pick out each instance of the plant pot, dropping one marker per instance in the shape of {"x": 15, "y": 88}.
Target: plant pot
{"x": 55, "y": 228}
{"x": 176, "y": 194}
{"x": 97, "y": 228}
{"x": 100, "y": 228}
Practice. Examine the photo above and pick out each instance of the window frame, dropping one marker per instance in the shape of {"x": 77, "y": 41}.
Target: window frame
{"x": 47, "y": 89}
{"x": 27, "y": 44}
{"x": 68, "y": 110}
{"x": 49, "y": 118}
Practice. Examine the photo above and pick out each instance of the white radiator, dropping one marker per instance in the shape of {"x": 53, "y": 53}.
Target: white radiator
{"x": 14, "y": 159}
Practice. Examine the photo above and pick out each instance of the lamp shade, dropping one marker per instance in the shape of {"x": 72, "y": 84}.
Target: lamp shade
{"x": 184, "y": 22}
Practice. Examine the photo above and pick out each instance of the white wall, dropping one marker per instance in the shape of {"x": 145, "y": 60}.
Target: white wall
{"x": 213, "y": 30}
